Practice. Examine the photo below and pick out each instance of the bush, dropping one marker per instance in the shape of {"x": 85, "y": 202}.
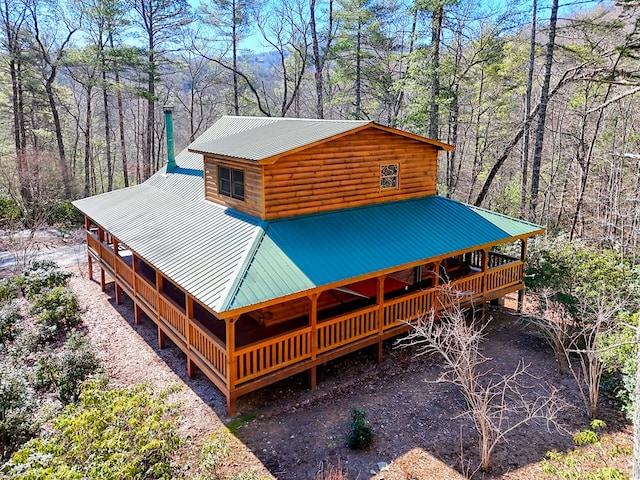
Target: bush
{"x": 18, "y": 404}
{"x": 8, "y": 290}
{"x": 65, "y": 371}
{"x": 41, "y": 275}
{"x": 9, "y": 212}
{"x": 126, "y": 433}
{"x": 581, "y": 464}
{"x": 57, "y": 308}
{"x": 359, "y": 436}
{"x": 9, "y": 318}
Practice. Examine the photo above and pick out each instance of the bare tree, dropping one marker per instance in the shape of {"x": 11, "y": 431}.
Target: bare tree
{"x": 555, "y": 326}
{"x": 584, "y": 355}
{"x": 497, "y": 408}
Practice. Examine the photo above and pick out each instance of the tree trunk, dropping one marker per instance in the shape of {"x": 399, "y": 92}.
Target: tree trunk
{"x": 317, "y": 63}
{"x": 542, "y": 114}
{"x": 123, "y": 144}
{"x": 234, "y": 46}
{"x": 358, "y": 86}
{"x": 527, "y": 111}
{"x": 62, "y": 158}
{"x": 436, "y": 32}
{"x": 87, "y": 145}
{"x": 149, "y": 154}
{"x": 635, "y": 475}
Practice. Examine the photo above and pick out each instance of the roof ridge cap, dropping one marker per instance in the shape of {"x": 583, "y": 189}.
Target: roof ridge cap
{"x": 241, "y": 271}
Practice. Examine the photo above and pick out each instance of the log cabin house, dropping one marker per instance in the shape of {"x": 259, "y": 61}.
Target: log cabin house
{"x": 272, "y": 245}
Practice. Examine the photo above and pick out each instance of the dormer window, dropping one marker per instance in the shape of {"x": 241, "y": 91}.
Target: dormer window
{"x": 231, "y": 182}
{"x": 389, "y": 176}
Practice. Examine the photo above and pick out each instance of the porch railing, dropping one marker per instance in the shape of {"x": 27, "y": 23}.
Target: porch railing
{"x": 407, "y": 308}
{"x": 147, "y": 292}
{"x": 125, "y": 271}
{"x": 273, "y": 354}
{"x": 173, "y": 317}
{"x": 209, "y": 349}
{"x": 347, "y": 329}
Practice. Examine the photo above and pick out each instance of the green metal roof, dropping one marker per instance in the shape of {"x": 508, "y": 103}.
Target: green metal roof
{"x": 229, "y": 260}
{"x": 304, "y": 252}
{"x": 259, "y": 138}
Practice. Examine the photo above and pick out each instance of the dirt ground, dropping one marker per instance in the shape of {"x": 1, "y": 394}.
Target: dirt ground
{"x": 287, "y": 431}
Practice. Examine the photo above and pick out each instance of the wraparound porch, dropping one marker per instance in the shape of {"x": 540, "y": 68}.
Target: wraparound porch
{"x": 254, "y": 348}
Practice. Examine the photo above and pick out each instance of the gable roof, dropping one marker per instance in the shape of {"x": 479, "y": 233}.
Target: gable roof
{"x": 263, "y": 138}
{"x": 229, "y": 261}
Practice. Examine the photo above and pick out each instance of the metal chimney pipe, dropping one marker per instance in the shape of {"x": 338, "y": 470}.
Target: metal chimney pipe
{"x": 168, "y": 120}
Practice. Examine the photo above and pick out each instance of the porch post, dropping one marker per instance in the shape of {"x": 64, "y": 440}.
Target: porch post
{"x": 380, "y": 314}
{"x": 485, "y": 267}
{"x": 313, "y": 321}
{"x": 90, "y": 265}
{"x": 523, "y": 258}
{"x": 191, "y": 366}
{"x": 118, "y": 293}
{"x": 231, "y": 364}
{"x": 162, "y": 338}
{"x": 103, "y": 282}
{"x": 136, "y": 309}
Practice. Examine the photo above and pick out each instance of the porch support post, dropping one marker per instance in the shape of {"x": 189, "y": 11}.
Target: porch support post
{"x": 231, "y": 364}
{"x": 523, "y": 258}
{"x": 103, "y": 282}
{"x": 118, "y": 293}
{"x": 90, "y": 265}
{"x": 380, "y": 315}
{"x": 162, "y": 338}
{"x": 436, "y": 268}
{"x": 313, "y": 321}
{"x": 484, "y": 268}
{"x": 137, "y": 313}
{"x": 191, "y": 366}
{"x": 136, "y": 309}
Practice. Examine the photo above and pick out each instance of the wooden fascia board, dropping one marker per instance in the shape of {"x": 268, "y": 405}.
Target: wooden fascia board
{"x": 225, "y": 158}
{"x": 273, "y": 159}
{"x": 388, "y": 271}
{"x": 421, "y": 139}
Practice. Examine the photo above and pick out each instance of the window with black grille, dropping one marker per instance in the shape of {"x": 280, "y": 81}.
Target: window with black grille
{"x": 231, "y": 182}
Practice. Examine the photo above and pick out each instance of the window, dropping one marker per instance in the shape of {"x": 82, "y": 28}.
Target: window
{"x": 389, "y": 176}
{"x": 231, "y": 182}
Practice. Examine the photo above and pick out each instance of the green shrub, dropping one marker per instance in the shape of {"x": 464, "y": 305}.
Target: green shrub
{"x": 214, "y": 454}
{"x": 9, "y": 211}
{"x": 41, "y": 275}
{"x": 9, "y": 318}
{"x": 8, "y": 290}
{"x": 127, "y": 433}
{"x": 18, "y": 404}
{"x": 57, "y": 308}
{"x": 359, "y": 436}
{"x": 64, "y": 372}
{"x": 578, "y": 464}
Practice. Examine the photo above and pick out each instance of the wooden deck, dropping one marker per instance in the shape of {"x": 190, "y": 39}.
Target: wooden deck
{"x": 240, "y": 360}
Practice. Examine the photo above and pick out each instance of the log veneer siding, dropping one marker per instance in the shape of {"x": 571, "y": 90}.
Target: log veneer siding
{"x": 340, "y": 173}
{"x": 253, "y": 200}
{"x": 345, "y": 173}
